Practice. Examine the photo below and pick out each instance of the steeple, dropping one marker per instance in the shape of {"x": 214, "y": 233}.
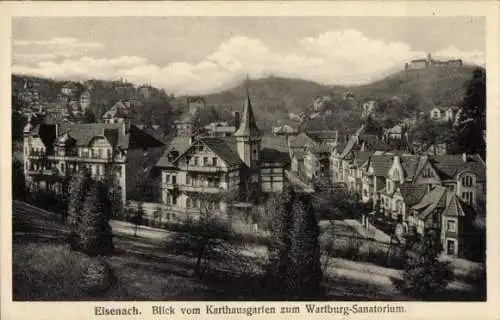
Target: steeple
{"x": 248, "y": 126}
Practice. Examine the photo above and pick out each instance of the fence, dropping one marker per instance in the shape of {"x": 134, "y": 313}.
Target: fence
{"x": 357, "y": 248}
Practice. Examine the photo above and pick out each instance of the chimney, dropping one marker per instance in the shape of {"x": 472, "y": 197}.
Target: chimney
{"x": 464, "y": 157}
{"x": 237, "y": 119}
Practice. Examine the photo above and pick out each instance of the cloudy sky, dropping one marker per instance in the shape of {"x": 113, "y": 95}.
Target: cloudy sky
{"x": 205, "y": 54}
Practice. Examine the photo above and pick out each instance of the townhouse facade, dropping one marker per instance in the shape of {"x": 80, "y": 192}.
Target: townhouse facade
{"x": 444, "y": 193}
{"x": 54, "y": 152}
{"x": 216, "y": 173}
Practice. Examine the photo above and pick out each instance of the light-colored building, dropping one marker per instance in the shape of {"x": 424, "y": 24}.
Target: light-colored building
{"x": 85, "y": 100}
{"x": 69, "y": 89}
{"x": 54, "y": 152}
{"x": 219, "y": 129}
{"x": 217, "y": 172}
{"x": 120, "y": 112}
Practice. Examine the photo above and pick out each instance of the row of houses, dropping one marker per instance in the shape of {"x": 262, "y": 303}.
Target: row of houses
{"x": 443, "y": 192}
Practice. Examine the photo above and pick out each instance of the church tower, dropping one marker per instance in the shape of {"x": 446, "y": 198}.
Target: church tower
{"x": 248, "y": 136}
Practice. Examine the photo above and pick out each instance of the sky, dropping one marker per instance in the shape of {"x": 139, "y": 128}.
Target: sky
{"x": 198, "y": 55}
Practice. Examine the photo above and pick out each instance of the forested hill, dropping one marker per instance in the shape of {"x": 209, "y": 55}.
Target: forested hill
{"x": 155, "y": 107}
{"x": 274, "y": 98}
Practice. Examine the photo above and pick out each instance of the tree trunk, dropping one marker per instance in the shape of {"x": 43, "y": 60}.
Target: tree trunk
{"x": 197, "y": 268}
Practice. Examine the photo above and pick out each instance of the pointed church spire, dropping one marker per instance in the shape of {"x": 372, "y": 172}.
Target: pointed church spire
{"x": 248, "y": 126}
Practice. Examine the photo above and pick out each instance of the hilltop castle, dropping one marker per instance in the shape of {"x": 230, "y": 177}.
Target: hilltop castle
{"x": 429, "y": 62}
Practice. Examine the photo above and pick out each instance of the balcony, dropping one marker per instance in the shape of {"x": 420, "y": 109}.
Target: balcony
{"x": 201, "y": 168}
{"x": 200, "y": 188}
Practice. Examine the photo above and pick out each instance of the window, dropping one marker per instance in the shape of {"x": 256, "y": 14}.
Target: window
{"x": 427, "y": 173}
{"x": 62, "y": 167}
{"x": 167, "y": 178}
{"x": 188, "y": 203}
{"x": 254, "y": 155}
{"x": 205, "y": 161}
{"x": 467, "y": 196}
{"x": 214, "y": 161}
{"x": 450, "y": 187}
{"x": 108, "y": 153}
{"x": 174, "y": 179}
{"x": 450, "y": 247}
{"x": 467, "y": 181}
{"x": 197, "y": 161}
{"x": 174, "y": 201}
{"x": 451, "y": 225}
{"x": 188, "y": 179}
{"x": 98, "y": 170}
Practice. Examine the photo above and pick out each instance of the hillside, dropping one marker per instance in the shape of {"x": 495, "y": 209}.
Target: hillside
{"x": 432, "y": 86}
{"x": 274, "y": 98}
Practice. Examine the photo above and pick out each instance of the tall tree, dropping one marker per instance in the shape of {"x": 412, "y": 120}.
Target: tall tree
{"x": 281, "y": 223}
{"x": 471, "y": 121}
{"x": 94, "y": 231}
{"x": 78, "y": 189}
{"x": 304, "y": 279}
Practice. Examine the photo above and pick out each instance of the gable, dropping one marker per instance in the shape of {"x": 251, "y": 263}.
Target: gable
{"x": 427, "y": 172}
{"x": 99, "y": 142}
{"x": 396, "y": 171}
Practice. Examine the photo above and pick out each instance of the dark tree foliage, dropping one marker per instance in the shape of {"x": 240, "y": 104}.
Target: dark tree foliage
{"x": 424, "y": 275}
{"x": 281, "y": 222}
{"x": 18, "y": 182}
{"x": 93, "y": 230}
{"x": 89, "y": 117}
{"x": 294, "y": 267}
{"x": 471, "y": 121}
{"x": 373, "y": 127}
{"x": 78, "y": 189}
{"x": 428, "y": 133}
{"x": 305, "y": 276}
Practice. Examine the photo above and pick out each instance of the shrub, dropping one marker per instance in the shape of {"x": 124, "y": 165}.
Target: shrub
{"x": 424, "y": 275}
{"x": 98, "y": 277}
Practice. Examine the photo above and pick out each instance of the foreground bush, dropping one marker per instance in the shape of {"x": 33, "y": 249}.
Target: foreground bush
{"x": 54, "y": 272}
{"x": 424, "y": 276}
{"x": 98, "y": 277}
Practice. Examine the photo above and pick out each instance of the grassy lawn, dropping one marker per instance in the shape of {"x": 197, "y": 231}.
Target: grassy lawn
{"x": 44, "y": 268}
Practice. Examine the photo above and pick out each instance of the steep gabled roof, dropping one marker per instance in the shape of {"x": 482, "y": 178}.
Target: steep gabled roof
{"x": 179, "y": 144}
{"x": 301, "y": 140}
{"x": 454, "y": 206}
{"x": 274, "y": 149}
{"x": 380, "y": 164}
{"x": 83, "y": 133}
{"x": 410, "y": 165}
{"x": 349, "y": 147}
{"x": 448, "y": 166}
{"x": 225, "y": 148}
{"x": 248, "y": 125}
{"x": 412, "y": 193}
{"x": 435, "y": 198}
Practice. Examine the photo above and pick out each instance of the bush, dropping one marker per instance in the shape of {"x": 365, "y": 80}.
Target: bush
{"x": 98, "y": 277}
{"x": 424, "y": 276}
